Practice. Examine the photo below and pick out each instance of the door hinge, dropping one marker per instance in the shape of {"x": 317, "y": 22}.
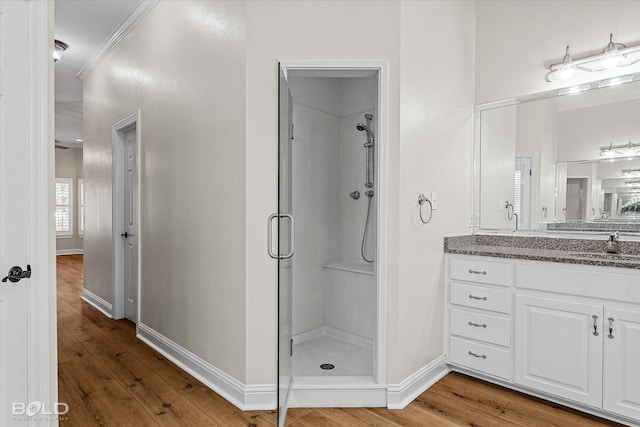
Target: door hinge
{"x": 291, "y": 347}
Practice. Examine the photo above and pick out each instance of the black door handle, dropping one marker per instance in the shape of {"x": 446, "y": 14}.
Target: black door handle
{"x": 125, "y": 234}
{"x": 16, "y": 273}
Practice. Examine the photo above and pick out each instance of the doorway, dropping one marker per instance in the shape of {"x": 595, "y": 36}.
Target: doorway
{"x": 332, "y": 198}
{"x": 576, "y": 199}
{"x": 126, "y": 217}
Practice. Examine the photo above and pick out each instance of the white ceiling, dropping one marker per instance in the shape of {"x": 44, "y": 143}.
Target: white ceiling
{"x": 84, "y": 25}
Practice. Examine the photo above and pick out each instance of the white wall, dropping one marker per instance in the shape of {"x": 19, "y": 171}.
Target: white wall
{"x": 69, "y": 165}
{"x": 183, "y": 66}
{"x": 436, "y": 132}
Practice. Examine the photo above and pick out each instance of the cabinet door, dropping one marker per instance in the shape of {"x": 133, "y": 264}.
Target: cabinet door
{"x": 559, "y": 348}
{"x": 622, "y": 362}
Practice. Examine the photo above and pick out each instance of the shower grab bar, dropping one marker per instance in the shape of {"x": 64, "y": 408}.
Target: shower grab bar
{"x": 292, "y": 238}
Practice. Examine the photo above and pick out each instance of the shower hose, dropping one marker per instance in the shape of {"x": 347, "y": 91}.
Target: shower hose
{"x": 366, "y": 227}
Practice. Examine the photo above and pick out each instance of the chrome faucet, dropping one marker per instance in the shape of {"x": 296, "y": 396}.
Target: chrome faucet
{"x": 613, "y": 244}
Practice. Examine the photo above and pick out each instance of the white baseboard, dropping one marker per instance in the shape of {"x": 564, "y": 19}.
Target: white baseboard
{"x": 400, "y": 395}
{"x": 339, "y": 392}
{"x": 99, "y": 303}
{"x": 69, "y": 252}
{"x": 245, "y": 397}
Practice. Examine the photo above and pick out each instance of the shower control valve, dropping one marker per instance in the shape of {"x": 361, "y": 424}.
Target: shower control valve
{"x": 355, "y": 195}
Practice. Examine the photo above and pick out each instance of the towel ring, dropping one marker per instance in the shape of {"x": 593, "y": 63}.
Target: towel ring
{"x": 508, "y": 206}
{"x": 421, "y": 201}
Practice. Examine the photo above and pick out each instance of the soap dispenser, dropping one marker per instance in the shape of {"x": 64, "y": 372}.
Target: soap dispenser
{"x": 613, "y": 244}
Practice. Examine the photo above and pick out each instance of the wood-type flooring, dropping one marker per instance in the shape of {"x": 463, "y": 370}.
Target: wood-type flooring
{"x": 110, "y": 378}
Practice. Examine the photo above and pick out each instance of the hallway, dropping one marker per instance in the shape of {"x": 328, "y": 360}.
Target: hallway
{"x": 110, "y": 378}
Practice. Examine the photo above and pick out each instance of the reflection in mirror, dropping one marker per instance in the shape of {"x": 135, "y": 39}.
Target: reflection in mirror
{"x": 560, "y": 159}
{"x": 600, "y": 190}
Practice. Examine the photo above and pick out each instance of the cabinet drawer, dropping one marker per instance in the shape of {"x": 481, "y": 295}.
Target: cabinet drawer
{"x": 481, "y": 271}
{"x": 481, "y": 297}
{"x": 484, "y": 327}
{"x": 480, "y": 357}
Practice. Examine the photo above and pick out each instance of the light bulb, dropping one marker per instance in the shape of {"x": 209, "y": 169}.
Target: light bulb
{"x": 566, "y": 71}
{"x": 611, "y": 57}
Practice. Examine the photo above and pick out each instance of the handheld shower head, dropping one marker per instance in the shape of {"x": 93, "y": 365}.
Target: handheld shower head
{"x": 362, "y": 127}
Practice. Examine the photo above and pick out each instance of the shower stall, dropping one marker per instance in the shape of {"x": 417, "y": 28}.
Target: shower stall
{"x": 329, "y": 295}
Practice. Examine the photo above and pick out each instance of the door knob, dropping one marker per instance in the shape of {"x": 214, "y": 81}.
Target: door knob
{"x": 125, "y": 234}
{"x": 16, "y": 273}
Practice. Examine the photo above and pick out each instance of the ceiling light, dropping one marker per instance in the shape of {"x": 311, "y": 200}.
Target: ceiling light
{"x": 620, "y": 150}
{"x": 58, "y": 48}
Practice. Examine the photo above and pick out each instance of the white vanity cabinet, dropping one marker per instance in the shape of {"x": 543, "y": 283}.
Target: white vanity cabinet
{"x": 558, "y": 349}
{"x": 621, "y": 368}
{"x": 480, "y": 315}
{"x": 572, "y": 331}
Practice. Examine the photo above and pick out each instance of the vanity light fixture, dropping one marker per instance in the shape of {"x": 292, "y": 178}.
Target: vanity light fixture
{"x": 614, "y": 55}
{"x": 58, "y": 48}
{"x": 630, "y": 171}
{"x": 627, "y": 149}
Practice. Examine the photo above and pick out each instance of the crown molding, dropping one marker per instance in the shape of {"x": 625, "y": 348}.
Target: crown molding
{"x": 116, "y": 36}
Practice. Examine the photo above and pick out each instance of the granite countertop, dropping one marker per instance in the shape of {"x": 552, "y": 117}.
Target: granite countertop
{"x": 550, "y": 249}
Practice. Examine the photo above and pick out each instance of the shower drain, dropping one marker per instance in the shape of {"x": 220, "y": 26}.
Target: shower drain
{"x": 327, "y": 366}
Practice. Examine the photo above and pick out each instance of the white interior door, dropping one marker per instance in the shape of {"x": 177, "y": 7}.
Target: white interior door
{"x": 131, "y": 227}
{"x": 14, "y": 214}
{"x": 27, "y": 304}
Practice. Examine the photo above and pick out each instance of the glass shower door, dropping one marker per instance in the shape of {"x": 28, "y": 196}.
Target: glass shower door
{"x": 285, "y": 246}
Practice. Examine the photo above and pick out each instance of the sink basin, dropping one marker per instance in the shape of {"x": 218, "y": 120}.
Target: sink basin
{"x": 606, "y": 257}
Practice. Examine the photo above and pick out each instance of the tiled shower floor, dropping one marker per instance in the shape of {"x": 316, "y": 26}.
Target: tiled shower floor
{"x": 348, "y": 359}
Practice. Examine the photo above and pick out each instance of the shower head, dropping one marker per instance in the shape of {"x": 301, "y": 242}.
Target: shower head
{"x": 362, "y": 127}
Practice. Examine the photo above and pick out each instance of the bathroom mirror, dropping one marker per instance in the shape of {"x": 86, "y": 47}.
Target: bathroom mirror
{"x": 561, "y": 160}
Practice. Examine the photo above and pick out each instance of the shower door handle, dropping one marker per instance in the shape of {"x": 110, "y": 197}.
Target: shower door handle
{"x": 270, "y": 236}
